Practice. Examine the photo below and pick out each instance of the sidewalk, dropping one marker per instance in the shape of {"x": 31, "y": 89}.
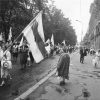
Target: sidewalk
{"x": 22, "y": 80}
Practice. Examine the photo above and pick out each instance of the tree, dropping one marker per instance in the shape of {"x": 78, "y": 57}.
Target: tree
{"x": 18, "y": 13}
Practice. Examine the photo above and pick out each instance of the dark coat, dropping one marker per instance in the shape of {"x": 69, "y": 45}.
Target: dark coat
{"x": 23, "y": 55}
{"x": 63, "y": 65}
{"x": 83, "y": 52}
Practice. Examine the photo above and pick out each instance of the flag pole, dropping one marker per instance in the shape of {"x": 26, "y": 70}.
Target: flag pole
{"x": 22, "y": 32}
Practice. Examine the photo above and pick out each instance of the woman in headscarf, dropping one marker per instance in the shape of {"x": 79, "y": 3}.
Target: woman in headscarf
{"x": 63, "y": 67}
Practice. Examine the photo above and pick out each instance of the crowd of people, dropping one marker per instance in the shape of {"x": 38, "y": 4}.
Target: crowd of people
{"x": 95, "y": 53}
{"x": 9, "y": 54}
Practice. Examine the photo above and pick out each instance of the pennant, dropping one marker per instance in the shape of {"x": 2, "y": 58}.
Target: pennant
{"x": 35, "y": 40}
{"x": 52, "y": 40}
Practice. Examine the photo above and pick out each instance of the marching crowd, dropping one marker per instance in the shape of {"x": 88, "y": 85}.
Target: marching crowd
{"x": 9, "y": 55}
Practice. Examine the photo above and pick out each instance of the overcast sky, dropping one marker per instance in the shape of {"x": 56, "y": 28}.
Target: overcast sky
{"x": 76, "y": 10}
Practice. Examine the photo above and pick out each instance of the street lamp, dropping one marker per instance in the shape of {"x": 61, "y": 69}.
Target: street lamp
{"x": 81, "y": 28}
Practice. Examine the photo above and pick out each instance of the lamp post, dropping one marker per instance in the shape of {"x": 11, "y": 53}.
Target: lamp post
{"x": 81, "y": 28}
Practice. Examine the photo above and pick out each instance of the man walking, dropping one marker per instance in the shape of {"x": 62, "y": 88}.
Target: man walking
{"x": 83, "y": 53}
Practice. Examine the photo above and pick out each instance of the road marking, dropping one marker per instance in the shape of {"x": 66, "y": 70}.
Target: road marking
{"x": 33, "y": 88}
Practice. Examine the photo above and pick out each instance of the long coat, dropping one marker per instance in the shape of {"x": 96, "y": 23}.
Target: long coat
{"x": 63, "y": 65}
{"x": 23, "y": 55}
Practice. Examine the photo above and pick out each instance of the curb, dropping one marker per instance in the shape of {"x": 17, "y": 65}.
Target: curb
{"x": 33, "y": 88}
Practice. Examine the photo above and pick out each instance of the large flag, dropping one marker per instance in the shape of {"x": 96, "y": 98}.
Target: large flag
{"x": 52, "y": 40}
{"x": 34, "y": 39}
{"x": 10, "y": 34}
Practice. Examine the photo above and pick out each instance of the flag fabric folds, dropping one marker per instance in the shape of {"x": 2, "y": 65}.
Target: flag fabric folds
{"x": 35, "y": 39}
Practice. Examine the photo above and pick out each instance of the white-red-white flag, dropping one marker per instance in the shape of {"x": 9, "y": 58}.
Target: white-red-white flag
{"x": 34, "y": 39}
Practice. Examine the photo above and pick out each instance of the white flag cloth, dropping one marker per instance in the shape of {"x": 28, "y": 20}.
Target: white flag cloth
{"x": 52, "y": 39}
{"x": 10, "y": 34}
{"x": 48, "y": 49}
{"x": 21, "y": 42}
{"x": 40, "y": 26}
{"x": 34, "y": 39}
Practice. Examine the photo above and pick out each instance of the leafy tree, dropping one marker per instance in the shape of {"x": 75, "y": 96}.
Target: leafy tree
{"x": 18, "y": 13}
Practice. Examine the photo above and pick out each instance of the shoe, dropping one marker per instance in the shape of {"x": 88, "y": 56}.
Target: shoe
{"x": 62, "y": 83}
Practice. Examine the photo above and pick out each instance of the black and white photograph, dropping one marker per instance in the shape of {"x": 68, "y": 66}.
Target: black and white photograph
{"x": 49, "y": 49}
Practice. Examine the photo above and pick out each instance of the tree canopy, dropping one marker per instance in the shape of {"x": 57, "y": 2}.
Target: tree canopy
{"x": 18, "y": 13}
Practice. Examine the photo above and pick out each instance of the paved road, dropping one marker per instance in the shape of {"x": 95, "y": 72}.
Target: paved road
{"x": 83, "y": 84}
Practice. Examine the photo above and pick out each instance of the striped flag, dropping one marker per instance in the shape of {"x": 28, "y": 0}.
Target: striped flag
{"x": 35, "y": 39}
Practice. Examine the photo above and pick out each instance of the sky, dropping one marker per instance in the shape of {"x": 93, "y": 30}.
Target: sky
{"x": 78, "y": 11}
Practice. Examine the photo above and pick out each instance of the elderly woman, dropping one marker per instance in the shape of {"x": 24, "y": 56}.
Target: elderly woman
{"x": 63, "y": 67}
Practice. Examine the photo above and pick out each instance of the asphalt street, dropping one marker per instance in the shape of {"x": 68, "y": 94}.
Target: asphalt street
{"x": 83, "y": 83}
